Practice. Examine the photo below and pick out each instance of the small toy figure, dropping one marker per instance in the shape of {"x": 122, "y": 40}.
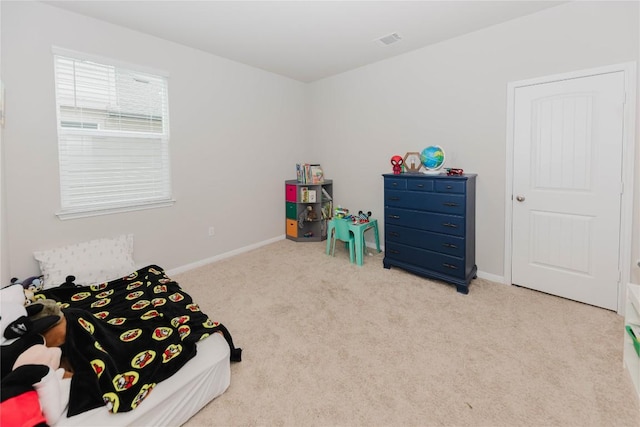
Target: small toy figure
{"x": 397, "y": 162}
{"x": 363, "y": 217}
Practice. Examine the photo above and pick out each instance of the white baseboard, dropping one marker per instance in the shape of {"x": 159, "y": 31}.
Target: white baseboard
{"x": 491, "y": 277}
{"x": 182, "y": 269}
{"x": 372, "y": 245}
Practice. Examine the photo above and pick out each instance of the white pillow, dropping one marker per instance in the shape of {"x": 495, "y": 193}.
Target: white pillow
{"x": 91, "y": 262}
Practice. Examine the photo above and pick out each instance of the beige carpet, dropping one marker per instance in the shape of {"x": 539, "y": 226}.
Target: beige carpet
{"x": 327, "y": 343}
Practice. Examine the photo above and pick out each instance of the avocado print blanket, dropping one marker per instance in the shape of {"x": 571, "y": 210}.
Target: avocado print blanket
{"x": 125, "y": 336}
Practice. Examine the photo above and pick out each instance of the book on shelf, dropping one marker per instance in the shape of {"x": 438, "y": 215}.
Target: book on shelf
{"x": 307, "y": 173}
{"x": 299, "y": 173}
{"x": 304, "y": 194}
{"x": 317, "y": 175}
{"x": 312, "y": 196}
{"x": 327, "y": 210}
{"x": 325, "y": 195}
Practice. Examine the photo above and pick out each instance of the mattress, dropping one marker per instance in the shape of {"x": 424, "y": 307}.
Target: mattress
{"x": 176, "y": 399}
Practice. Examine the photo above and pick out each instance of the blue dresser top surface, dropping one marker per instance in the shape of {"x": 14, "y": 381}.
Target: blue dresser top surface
{"x": 424, "y": 175}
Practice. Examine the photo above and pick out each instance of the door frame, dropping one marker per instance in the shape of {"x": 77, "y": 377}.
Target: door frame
{"x": 628, "y": 166}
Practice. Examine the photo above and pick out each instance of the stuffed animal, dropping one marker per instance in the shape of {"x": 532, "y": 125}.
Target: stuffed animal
{"x": 31, "y": 285}
{"x": 307, "y": 215}
{"x": 32, "y": 381}
{"x": 19, "y": 403}
{"x": 35, "y": 283}
{"x": 36, "y": 390}
{"x": 311, "y": 214}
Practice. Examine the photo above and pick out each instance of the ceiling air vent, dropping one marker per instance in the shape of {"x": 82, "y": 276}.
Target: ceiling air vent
{"x": 390, "y": 39}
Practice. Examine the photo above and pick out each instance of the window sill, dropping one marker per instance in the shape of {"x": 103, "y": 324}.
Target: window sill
{"x": 83, "y": 213}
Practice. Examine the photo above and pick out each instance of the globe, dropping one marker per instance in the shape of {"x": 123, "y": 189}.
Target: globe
{"x": 432, "y": 158}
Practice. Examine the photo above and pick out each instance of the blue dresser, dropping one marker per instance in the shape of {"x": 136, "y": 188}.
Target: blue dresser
{"x": 429, "y": 226}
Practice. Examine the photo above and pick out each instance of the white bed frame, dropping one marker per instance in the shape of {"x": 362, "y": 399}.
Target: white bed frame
{"x": 173, "y": 401}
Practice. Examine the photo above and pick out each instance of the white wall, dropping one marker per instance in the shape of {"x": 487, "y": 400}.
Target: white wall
{"x": 232, "y": 126}
{"x": 4, "y": 258}
{"x": 4, "y": 245}
{"x": 236, "y": 134}
{"x": 454, "y": 94}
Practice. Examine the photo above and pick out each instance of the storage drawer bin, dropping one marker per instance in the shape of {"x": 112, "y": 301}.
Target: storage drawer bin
{"x": 292, "y": 228}
{"x": 291, "y": 191}
{"x": 291, "y": 211}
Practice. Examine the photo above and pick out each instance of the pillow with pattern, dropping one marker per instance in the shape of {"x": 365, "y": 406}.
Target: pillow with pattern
{"x": 91, "y": 262}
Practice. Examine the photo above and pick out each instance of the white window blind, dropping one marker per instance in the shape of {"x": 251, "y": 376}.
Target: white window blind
{"x": 113, "y": 138}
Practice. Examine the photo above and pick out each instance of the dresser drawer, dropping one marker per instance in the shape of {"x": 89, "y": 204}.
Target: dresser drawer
{"x": 443, "y": 243}
{"x": 439, "y": 223}
{"x": 420, "y": 185}
{"x": 444, "y": 203}
{"x": 395, "y": 183}
{"x": 449, "y": 265}
{"x": 450, "y": 186}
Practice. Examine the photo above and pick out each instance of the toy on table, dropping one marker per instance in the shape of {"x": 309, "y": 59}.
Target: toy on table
{"x": 396, "y": 162}
{"x": 341, "y": 212}
{"x": 362, "y": 217}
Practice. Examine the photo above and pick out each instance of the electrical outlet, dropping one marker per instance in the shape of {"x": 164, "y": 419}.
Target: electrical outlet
{"x": 212, "y": 231}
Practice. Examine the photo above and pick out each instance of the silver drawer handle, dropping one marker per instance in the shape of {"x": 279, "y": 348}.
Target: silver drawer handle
{"x": 451, "y": 204}
{"x": 394, "y": 216}
{"x": 448, "y": 224}
{"x": 453, "y": 267}
{"x": 394, "y": 234}
{"x": 449, "y": 245}
{"x": 394, "y": 198}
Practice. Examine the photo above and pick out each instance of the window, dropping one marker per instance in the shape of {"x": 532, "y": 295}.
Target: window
{"x": 113, "y": 137}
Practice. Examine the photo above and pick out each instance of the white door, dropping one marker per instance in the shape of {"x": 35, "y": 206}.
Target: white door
{"x": 567, "y": 185}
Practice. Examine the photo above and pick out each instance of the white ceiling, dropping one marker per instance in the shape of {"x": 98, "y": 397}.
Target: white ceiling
{"x": 304, "y": 40}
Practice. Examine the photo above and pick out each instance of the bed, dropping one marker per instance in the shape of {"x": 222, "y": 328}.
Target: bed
{"x": 202, "y": 379}
{"x": 141, "y": 350}
{"x": 129, "y": 336}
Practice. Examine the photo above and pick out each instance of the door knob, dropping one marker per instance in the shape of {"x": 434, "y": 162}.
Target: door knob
{"x": 520, "y": 198}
